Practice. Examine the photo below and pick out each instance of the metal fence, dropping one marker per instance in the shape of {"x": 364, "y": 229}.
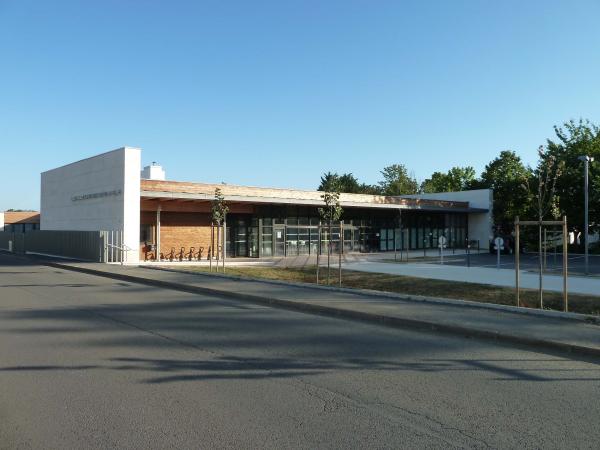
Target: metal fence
{"x": 7, "y": 240}
{"x": 100, "y": 246}
{"x": 114, "y": 248}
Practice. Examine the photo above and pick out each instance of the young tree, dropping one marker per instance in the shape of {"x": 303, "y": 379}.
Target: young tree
{"x": 456, "y": 179}
{"x": 546, "y": 176}
{"x": 332, "y": 212}
{"x": 219, "y": 212}
{"x": 397, "y": 181}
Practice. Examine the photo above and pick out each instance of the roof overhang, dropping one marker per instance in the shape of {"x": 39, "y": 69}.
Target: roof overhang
{"x": 308, "y": 202}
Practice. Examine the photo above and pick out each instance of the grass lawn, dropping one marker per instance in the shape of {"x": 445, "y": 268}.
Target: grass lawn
{"x": 484, "y": 293}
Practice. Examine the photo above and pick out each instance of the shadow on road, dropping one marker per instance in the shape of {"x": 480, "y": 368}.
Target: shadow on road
{"x": 230, "y": 339}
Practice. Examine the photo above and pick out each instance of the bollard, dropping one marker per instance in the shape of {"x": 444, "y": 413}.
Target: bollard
{"x": 498, "y": 254}
{"x": 468, "y": 255}
{"x": 498, "y": 243}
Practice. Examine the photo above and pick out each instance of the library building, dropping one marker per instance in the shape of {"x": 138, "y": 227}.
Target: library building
{"x": 164, "y": 219}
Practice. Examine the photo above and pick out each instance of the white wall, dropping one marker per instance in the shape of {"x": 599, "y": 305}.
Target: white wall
{"x": 153, "y": 172}
{"x": 1, "y": 221}
{"x": 480, "y": 224}
{"x": 97, "y": 193}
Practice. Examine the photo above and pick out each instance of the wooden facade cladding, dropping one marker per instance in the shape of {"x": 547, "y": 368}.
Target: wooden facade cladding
{"x": 191, "y": 206}
{"x": 14, "y": 217}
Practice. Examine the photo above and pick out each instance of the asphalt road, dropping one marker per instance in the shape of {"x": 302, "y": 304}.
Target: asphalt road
{"x": 89, "y": 362}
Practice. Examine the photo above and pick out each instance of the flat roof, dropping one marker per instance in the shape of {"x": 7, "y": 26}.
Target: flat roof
{"x": 158, "y": 189}
{"x": 92, "y": 157}
{"x": 12, "y": 217}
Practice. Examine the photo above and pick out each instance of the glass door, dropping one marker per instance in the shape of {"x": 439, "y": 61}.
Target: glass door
{"x": 241, "y": 238}
{"x": 279, "y": 240}
{"x": 253, "y": 241}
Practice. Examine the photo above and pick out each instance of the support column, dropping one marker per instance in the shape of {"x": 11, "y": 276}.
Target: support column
{"x": 565, "y": 262}
{"x": 517, "y": 260}
{"x": 225, "y": 238}
{"x": 158, "y": 233}
{"x": 224, "y": 245}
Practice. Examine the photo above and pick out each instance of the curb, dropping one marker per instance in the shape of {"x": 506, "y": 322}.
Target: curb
{"x": 553, "y": 314}
{"x": 394, "y": 322}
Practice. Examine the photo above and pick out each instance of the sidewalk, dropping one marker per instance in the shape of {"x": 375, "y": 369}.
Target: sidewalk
{"x": 548, "y": 329}
{"x": 485, "y": 275}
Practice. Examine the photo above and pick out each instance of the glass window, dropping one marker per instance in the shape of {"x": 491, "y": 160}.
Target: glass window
{"x": 253, "y": 242}
{"x": 241, "y": 236}
{"x": 303, "y": 240}
{"x": 397, "y": 238}
{"x": 335, "y": 239}
{"x": 146, "y": 234}
{"x": 427, "y": 236}
{"x": 348, "y": 243}
{"x": 292, "y": 241}
{"x": 383, "y": 240}
{"x": 314, "y": 240}
{"x": 267, "y": 241}
{"x": 356, "y": 239}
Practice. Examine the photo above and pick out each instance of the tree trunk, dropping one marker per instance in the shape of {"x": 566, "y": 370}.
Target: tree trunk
{"x": 212, "y": 246}
{"x": 218, "y": 244}
{"x": 318, "y": 250}
{"x": 540, "y": 268}
{"x": 341, "y": 250}
{"x": 328, "y": 251}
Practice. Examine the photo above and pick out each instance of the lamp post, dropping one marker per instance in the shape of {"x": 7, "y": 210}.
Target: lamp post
{"x": 586, "y": 166}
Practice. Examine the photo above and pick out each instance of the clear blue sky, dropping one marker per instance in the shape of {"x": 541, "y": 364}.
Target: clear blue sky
{"x": 274, "y": 93}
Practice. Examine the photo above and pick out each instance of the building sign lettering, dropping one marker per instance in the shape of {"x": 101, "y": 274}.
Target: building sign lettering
{"x": 114, "y": 192}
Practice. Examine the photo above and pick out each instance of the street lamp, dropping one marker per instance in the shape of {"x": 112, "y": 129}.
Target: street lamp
{"x": 586, "y": 168}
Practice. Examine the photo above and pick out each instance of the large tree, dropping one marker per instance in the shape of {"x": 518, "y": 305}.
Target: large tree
{"x": 507, "y": 176}
{"x": 572, "y": 140}
{"x": 456, "y": 179}
{"x": 397, "y": 181}
{"x": 346, "y": 182}
{"x": 369, "y": 189}
{"x": 329, "y": 182}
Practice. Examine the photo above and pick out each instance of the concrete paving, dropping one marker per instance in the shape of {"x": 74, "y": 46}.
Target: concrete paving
{"x": 485, "y": 275}
{"x": 88, "y": 362}
{"x": 528, "y": 261}
{"x": 553, "y": 329}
